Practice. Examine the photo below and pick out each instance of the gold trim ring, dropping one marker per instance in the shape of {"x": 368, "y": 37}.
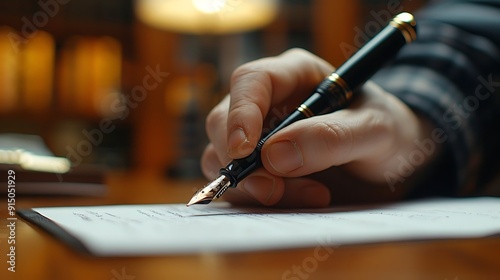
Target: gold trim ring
{"x": 335, "y": 78}
{"x": 406, "y": 23}
{"x": 305, "y": 110}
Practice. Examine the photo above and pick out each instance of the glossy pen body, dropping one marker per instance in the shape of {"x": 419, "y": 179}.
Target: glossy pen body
{"x": 332, "y": 94}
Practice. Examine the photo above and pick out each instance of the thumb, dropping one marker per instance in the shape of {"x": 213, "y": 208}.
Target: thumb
{"x": 318, "y": 143}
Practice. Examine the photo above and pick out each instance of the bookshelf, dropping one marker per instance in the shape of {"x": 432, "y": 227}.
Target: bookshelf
{"x": 74, "y": 64}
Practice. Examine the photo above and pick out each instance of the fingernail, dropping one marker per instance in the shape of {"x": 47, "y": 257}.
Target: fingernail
{"x": 260, "y": 187}
{"x": 284, "y": 156}
{"x": 237, "y": 139}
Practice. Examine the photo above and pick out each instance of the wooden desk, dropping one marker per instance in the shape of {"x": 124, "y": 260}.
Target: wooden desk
{"x": 40, "y": 256}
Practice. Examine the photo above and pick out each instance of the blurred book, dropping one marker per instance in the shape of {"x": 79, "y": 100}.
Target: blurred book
{"x": 39, "y": 172}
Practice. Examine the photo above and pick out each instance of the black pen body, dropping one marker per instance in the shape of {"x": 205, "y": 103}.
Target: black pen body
{"x": 238, "y": 169}
{"x": 336, "y": 91}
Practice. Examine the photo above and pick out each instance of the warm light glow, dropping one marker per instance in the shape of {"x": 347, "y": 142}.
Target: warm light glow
{"x": 207, "y": 16}
{"x": 90, "y": 77}
{"x": 209, "y": 6}
{"x": 37, "y": 71}
{"x": 9, "y": 75}
{"x": 29, "y": 161}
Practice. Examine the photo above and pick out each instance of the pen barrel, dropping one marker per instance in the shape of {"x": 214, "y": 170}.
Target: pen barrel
{"x": 327, "y": 97}
{"x": 377, "y": 51}
{"x": 335, "y": 91}
{"x": 239, "y": 169}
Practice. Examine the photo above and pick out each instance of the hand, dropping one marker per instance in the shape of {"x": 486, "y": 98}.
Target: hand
{"x": 341, "y": 155}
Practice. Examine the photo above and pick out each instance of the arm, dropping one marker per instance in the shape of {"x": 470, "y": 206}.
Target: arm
{"x": 451, "y": 76}
{"x": 351, "y": 155}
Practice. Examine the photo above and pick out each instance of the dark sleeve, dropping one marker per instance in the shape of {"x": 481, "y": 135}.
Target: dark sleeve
{"x": 450, "y": 74}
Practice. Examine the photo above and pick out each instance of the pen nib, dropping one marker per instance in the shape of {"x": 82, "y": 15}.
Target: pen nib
{"x": 211, "y": 191}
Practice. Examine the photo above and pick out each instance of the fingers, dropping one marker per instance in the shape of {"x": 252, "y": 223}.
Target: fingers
{"x": 363, "y": 135}
{"x": 304, "y": 193}
{"x": 364, "y": 132}
{"x": 255, "y": 88}
{"x": 289, "y": 193}
{"x": 264, "y": 188}
{"x": 234, "y": 126}
{"x": 258, "y": 85}
{"x": 217, "y": 131}
{"x": 365, "y": 139}
{"x": 260, "y": 188}
{"x": 210, "y": 162}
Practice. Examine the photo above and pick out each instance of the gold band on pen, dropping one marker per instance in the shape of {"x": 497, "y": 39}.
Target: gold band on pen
{"x": 405, "y": 22}
{"x": 305, "y": 110}
{"x": 336, "y": 79}
{"x": 336, "y": 86}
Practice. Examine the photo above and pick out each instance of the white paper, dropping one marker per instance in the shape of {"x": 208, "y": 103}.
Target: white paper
{"x": 218, "y": 227}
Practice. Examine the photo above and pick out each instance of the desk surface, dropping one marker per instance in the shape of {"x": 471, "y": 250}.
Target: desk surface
{"x": 40, "y": 256}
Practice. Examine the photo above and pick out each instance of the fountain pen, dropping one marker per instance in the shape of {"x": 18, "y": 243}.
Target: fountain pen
{"x": 333, "y": 93}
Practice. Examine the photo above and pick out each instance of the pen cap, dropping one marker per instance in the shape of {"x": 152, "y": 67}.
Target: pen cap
{"x": 400, "y": 31}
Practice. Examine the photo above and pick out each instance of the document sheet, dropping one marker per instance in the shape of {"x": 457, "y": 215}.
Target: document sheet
{"x": 219, "y": 227}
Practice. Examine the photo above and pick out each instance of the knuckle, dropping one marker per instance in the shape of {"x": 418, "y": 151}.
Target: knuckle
{"x": 252, "y": 79}
{"x": 385, "y": 128}
{"x": 242, "y": 106}
{"x": 250, "y": 70}
{"x": 250, "y": 92}
{"x": 378, "y": 123}
{"x": 336, "y": 138}
{"x": 209, "y": 162}
{"x": 297, "y": 52}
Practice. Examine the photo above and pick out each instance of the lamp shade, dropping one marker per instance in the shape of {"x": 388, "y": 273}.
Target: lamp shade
{"x": 206, "y": 16}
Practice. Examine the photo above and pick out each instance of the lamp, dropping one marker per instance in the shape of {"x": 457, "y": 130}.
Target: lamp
{"x": 212, "y": 22}
{"x": 206, "y": 16}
